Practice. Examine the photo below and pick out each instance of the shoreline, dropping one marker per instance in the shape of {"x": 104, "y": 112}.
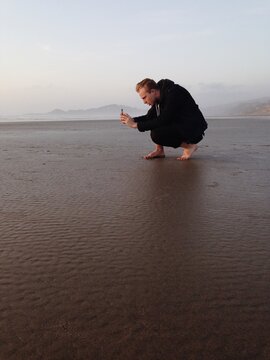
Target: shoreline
{"x": 20, "y": 119}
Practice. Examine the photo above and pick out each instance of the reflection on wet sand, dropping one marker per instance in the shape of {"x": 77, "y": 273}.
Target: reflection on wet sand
{"x": 105, "y": 255}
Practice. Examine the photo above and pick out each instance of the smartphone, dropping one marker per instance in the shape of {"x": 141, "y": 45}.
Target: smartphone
{"x": 122, "y": 111}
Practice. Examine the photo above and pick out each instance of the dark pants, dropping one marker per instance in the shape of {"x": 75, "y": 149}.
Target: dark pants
{"x": 171, "y": 136}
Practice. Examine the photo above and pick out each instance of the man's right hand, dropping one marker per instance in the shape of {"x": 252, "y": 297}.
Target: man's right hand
{"x": 128, "y": 120}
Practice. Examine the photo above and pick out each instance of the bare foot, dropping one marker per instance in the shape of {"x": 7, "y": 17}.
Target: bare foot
{"x": 188, "y": 151}
{"x": 156, "y": 154}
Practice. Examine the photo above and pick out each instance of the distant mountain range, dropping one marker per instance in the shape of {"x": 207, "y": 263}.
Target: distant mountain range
{"x": 104, "y": 112}
{"x": 257, "y": 107}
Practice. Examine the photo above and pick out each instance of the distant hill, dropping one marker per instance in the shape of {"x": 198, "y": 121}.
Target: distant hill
{"x": 257, "y": 107}
{"x": 104, "y": 112}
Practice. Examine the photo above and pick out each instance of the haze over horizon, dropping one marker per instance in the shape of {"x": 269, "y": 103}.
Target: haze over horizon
{"x": 83, "y": 54}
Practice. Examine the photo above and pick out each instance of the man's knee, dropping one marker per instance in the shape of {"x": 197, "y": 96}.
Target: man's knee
{"x": 166, "y": 136}
{"x": 156, "y": 136}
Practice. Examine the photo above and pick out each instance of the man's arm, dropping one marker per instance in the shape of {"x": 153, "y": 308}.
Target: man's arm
{"x": 150, "y": 115}
{"x": 138, "y": 119}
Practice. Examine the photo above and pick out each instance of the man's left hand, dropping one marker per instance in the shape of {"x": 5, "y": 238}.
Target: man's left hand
{"x": 128, "y": 120}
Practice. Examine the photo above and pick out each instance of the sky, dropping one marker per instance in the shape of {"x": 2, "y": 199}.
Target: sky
{"x": 78, "y": 54}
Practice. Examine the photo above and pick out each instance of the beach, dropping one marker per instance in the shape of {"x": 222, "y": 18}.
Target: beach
{"x": 105, "y": 255}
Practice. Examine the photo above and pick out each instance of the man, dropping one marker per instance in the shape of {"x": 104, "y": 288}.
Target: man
{"x": 174, "y": 118}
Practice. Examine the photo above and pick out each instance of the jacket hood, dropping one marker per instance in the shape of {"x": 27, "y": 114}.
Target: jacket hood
{"x": 164, "y": 86}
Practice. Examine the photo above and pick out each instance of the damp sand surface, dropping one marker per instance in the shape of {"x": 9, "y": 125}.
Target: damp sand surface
{"x": 105, "y": 255}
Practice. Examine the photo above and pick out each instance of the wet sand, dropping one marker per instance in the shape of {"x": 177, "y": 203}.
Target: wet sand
{"x": 105, "y": 255}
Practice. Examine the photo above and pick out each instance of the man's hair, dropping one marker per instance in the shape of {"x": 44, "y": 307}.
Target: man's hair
{"x": 148, "y": 84}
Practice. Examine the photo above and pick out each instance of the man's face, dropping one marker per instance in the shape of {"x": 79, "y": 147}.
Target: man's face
{"x": 147, "y": 97}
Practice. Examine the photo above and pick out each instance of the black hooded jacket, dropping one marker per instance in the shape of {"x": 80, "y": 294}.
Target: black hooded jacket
{"x": 176, "y": 106}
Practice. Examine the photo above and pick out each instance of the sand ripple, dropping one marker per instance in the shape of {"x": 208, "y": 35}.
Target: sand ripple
{"x": 107, "y": 256}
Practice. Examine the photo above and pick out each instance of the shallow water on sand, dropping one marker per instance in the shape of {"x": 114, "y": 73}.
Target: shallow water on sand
{"x": 105, "y": 255}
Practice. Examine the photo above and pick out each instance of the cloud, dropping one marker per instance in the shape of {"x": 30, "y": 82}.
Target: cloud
{"x": 260, "y": 9}
{"x": 218, "y": 87}
{"x": 45, "y": 47}
{"x": 211, "y": 94}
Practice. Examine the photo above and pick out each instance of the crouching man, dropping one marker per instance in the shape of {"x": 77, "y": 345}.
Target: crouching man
{"x": 174, "y": 118}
